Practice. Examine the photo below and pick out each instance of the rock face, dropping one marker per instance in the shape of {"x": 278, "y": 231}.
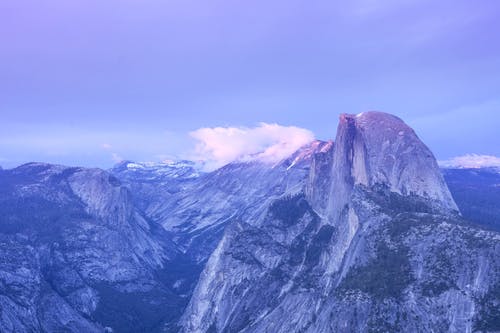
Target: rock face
{"x": 375, "y": 148}
{"x": 153, "y": 184}
{"x": 89, "y": 250}
{"x": 356, "y": 235}
{"x": 372, "y": 242}
{"x": 76, "y": 254}
{"x": 194, "y": 210}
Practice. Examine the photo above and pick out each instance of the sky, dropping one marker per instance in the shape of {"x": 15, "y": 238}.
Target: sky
{"x": 92, "y": 82}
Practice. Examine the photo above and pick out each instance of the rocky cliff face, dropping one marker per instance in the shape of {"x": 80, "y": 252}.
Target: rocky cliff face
{"x": 374, "y": 148}
{"x": 154, "y": 184}
{"x": 356, "y": 235}
{"x": 196, "y": 213}
{"x": 87, "y": 250}
{"x": 377, "y": 245}
{"x": 77, "y": 255}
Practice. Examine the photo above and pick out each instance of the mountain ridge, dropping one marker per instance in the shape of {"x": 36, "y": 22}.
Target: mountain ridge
{"x": 334, "y": 238}
{"x": 310, "y": 259}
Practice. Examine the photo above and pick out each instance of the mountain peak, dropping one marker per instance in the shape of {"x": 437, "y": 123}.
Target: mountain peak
{"x": 376, "y": 148}
{"x": 165, "y": 173}
{"x": 371, "y": 120}
{"x": 306, "y": 153}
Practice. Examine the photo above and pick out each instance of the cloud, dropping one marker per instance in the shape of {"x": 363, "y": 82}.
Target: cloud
{"x": 472, "y": 161}
{"x": 116, "y": 158}
{"x": 268, "y": 143}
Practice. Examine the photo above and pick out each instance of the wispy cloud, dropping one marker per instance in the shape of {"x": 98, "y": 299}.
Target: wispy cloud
{"x": 116, "y": 158}
{"x": 218, "y": 146}
{"x": 472, "y": 161}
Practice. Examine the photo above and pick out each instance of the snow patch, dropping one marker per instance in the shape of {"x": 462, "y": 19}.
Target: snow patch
{"x": 471, "y": 161}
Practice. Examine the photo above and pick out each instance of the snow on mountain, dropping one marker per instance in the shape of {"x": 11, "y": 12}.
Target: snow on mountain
{"x": 159, "y": 170}
{"x": 472, "y": 161}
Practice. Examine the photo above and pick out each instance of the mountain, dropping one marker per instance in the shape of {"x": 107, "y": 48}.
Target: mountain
{"x": 477, "y": 193}
{"x": 153, "y": 183}
{"x": 372, "y": 242}
{"x": 353, "y": 235}
{"x": 195, "y": 207}
{"x": 119, "y": 250}
{"x": 77, "y": 256}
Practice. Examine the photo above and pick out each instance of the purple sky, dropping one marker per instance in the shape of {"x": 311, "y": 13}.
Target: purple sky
{"x": 89, "y": 82}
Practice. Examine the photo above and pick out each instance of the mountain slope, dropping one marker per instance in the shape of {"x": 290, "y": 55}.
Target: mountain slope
{"x": 477, "y": 193}
{"x": 77, "y": 256}
{"x": 197, "y": 211}
{"x": 378, "y": 245}
{"x": 152, "y": 184}
{"x": 84, "y": 250}
{"x": 353, "y": 236}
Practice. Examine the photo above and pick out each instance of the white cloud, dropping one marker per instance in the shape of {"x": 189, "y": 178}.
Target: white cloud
{"x": 116, "y": 158}
{"x": 473, "y": 161}
{"x": 270, "y": 143}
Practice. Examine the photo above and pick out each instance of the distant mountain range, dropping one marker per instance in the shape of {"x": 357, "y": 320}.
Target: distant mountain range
{"x": 361, "y": 234}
